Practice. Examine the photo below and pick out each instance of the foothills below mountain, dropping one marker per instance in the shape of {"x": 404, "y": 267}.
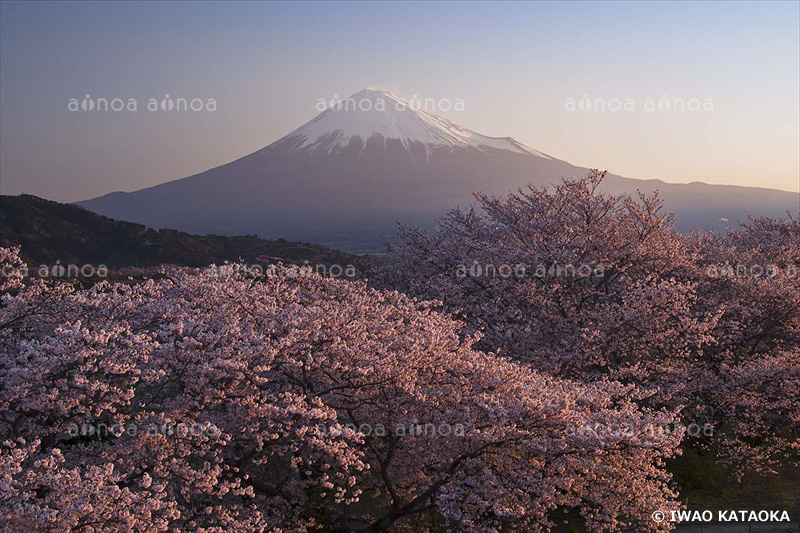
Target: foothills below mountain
{"x": 50, "y": 231}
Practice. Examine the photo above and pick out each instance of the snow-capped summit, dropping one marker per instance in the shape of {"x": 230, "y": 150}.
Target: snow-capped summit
{"x": 372, "y": 113}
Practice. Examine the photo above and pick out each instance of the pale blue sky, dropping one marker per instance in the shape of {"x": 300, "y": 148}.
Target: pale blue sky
{"x": 515, "y": 65}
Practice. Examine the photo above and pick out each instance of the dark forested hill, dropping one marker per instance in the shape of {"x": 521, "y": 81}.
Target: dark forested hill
{"x": 50, "y": 231}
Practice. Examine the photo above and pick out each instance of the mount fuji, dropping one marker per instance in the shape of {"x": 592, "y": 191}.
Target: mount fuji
{"x": 346, "y": 178}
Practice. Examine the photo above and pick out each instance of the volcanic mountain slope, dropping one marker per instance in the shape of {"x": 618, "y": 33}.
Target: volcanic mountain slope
{"x": 346, "y": 177}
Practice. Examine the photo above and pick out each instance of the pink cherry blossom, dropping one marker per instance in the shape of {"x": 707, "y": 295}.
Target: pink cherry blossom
{"x": 246, "y": 403}
{"x": 657, "y": 310}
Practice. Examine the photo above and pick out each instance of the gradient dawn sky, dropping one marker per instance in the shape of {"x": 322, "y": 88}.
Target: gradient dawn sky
{"x": 534, "y": 71}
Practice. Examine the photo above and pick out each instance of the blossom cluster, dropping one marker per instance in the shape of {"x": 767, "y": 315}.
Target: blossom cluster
{"x": 265, "y": 361}
{"x": 666, "y": 316}
{"x": 564, "y": 392}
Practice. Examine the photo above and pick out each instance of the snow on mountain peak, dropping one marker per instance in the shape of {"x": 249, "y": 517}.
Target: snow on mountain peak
{"x": 371, "y": 112}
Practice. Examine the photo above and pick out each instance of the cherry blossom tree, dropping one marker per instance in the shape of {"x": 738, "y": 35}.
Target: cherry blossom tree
{"x": 586, "y": 285}
{"x": 751, "y": 278}
{"x": 221, "y": 400}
